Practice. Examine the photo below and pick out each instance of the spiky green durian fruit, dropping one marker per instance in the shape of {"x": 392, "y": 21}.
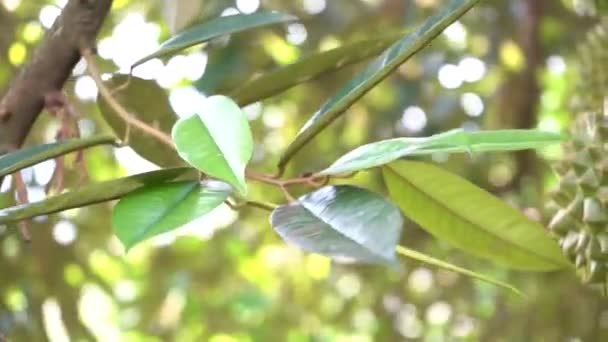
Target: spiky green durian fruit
{"x": 581, "y": 219}
{"x": 580, "y": 202}
{"x": 593, "y": 67}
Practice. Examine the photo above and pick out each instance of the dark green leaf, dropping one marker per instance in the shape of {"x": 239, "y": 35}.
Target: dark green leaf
{"x": 386, "y": 151}
{"x": 29, "y": 156}
{"x": 468, "y": 217}
{"x": 310, "y": 67}
{"x": 217, "y": 141}
{"x": 92, "y": 194}
{"x": 148, "y": 102}
{"x": 218, "y": 27}
{"x": 160, "y": 208}
{"x": 415, "y": 255}
{"x": 341, "y": 221}
{"x": 378, "y": 70}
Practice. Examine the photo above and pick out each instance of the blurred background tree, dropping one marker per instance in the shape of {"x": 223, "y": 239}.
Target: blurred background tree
{"x": 228, "y": 277}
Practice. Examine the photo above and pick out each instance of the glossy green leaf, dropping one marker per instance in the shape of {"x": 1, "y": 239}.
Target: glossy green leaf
{"x": 218, "y": 27}
{"x": 378, "y": 70}
{"x": 386, "y": 151}
{"x": 217, "y": 141}
{"x": 32, "y": 155}
{"x": 470, "y": 218}
{"x": 148, "y": 102}
{"x": 415, "y": 255}
{"x": 92, "y": 194}
{"x": 309, "y": 68}
{"x": 342, "y": 222}
{"x": 160, "y": 208}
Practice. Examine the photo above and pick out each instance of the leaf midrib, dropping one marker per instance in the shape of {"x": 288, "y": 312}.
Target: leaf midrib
{"x": 45, "y": 152}
{"x": 330, "y": 111}
{"x": 467, "y": 220}
{"x": 220, "y": 153}
{"x": 164, "y": 213}
{"x": 380, "y": 257}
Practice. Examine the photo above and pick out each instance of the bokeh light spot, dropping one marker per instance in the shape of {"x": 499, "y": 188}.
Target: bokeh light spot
{"x": 413, "y": 119}
{"x": 472, "y": 104}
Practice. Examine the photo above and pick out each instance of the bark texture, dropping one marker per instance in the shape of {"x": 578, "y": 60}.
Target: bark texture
{"x": 49, "y": 67}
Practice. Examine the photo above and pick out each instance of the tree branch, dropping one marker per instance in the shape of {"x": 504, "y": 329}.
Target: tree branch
{"x": 49, "y": 68}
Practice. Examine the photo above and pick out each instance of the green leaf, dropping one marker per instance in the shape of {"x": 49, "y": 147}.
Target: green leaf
{"x": 602, "y": 6}
{"x": 468, "y": 217}
{"x": 415, "y": 255}
{"x": 386, "y": 151}
{"x": 92, "y": 194}
{"x": 29, "y": 156}
{"x": 215, "y": 28}
{"x": 309, "y": 68}
{"x": 341, "y": 221}
{"x": 148, "y": 102}
{"x": 378, "y": 70}
{"x": 217, "y": 141}
{"x": 160, "y": 208}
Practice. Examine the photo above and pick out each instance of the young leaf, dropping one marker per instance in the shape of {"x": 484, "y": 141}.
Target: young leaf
{"x": 309, "y": 68}
{"x": 217, "y": 141}
{"x": 148, "y": 102}
{"x": 468, "y": 217}
{"x": 218, "y": 27}
{"x": 29, "y": 156}
{"x": 386, "y": 151}
{"x": 341, "y": 221}
{"x": 375, "y": 72}
{"x": 91, "y": 194}
{"x": 415, "y": 255}
{"x": 160, "y": 208}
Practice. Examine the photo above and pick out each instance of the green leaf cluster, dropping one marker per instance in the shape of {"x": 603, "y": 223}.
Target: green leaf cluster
{"x": 344, "y": 222}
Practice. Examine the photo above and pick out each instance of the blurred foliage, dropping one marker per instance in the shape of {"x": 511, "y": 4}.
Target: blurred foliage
{"x": 506, "y": 64}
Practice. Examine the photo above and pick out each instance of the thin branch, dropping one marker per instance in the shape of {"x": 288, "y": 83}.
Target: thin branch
{"x": 308, "y": 179}
{"x": 129, "y": 119}
{"x": 256, "y": 204}
{"x": 262, "y": 205}
{"x": 49, "y": 67}
{"x": 22, "y": 198}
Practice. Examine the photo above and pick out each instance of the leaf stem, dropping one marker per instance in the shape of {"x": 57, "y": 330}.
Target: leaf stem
{"x": 256, "y": 204}
{"x": 412, "y": 254}
{"x": 262, "y": 178}
{"x": 129, "y": 119}
{"x": 262, "y": 205}
{"x": 313, "y": 180}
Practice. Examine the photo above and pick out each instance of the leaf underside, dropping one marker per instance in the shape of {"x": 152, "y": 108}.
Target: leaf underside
{"x": 468, "y": 217}
{"x": 342, "y": 222}
{"x": 454, "y": 141}
{"x": 160, "y": 208}
{"x": 217, "y": 141}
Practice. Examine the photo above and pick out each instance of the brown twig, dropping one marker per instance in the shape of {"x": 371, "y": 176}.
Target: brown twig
{"x": 283, "y": 182}
{"x": 314, "y": 180}
{"x": 121, "y": 87}
{"x": 22, "y": 198}
{"x": 49, "y": 67}
{"x": 129, "y": 119}
{"x": 57, "y": 104}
